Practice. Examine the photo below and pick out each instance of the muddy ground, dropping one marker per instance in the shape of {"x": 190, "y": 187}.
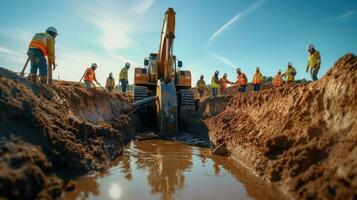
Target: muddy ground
{"x": 301, "y": 137}
{"x": 49, "y": 134}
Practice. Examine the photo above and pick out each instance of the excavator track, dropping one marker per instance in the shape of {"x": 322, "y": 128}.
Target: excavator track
{"x": 187, "y": 108}
{"x": 140, "y": 93}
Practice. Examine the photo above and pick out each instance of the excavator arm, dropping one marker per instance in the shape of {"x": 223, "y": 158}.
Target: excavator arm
{"x": 165, "y": 59}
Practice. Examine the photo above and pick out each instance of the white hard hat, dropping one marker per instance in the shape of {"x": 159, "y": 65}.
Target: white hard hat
{"x": 110, "y": 74}
{"x": 225, "y": 75}
{"x": 127, "y": 65}
{"x": 94, "y": 65}
{"x": 52, "y": 30}
{"x": 258, "y": 68}
{"x": 289, "y": 64}
{"x": 238, "y": 69}
{"x": 216, "y": 72}
{"x": 279, "y": 71}
{"x": 310, "y": 46}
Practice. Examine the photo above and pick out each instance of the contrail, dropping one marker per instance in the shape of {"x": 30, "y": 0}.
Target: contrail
{"x": 245, "y": 12}
{"x": 222, "y": 59}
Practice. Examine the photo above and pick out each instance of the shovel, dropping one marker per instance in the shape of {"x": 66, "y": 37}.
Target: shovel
{"x": 25, "y": 66}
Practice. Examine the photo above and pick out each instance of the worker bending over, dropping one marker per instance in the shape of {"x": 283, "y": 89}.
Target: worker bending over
{"x": 314, "y": 61}
{"x": 201, "y": 86}
{"x": 123, "y": 78}
{"x": 257, "y": 80}
{"x": 224, "y": 83}
{"x": 290, "y": 74}
{"x": 42, "y": 45}
{"x": 241, "y": 80}
{"x": 110, "y": 83}
{"x": 215, "y": 83}
{"x": 278, "y": 81}
{"x": 89, "y": 77}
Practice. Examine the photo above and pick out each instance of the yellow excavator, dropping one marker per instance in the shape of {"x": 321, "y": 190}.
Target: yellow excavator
{"x": 161, "y": 79}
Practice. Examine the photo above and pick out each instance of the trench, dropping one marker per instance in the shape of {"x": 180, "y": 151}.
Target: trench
{"x": 173, "y": 169}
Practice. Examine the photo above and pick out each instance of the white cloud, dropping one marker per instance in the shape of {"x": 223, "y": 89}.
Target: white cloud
{"x": 238, "y": 16}
{"x": 347, "y": 15}
{"x": 116, "y": 21}
{"x": 222, "y": 59}
{"x": 17, "y": 34}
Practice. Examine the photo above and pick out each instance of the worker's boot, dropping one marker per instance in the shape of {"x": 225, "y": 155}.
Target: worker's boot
{"x": 43, "y": 80}
{"x": 33, "y": 78}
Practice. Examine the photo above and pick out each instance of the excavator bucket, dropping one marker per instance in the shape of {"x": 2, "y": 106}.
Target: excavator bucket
{"x": 166, "y": 106}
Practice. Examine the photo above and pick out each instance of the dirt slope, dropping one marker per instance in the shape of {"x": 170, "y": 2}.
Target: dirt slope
{"x": 54, "y": 132}
{"x": 303, "y": 137}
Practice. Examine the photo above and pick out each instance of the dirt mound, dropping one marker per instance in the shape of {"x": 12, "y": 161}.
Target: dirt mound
{"x": 303, "y": 137}
{"x": 62, "y": 131}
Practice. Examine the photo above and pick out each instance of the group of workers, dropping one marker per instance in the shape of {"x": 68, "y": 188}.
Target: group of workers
{"x": 221, "y": 84}
{"x": 42, "y": 45}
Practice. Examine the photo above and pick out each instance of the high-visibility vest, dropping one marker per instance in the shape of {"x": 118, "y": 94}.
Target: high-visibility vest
{"x": 314, "y": 59}
{"x": 290, "y": 74}
{"x": 242, "y": 79}
{"x": 40, "y": 41}
{"x": 123, "y": 74}
{"x": 110, "y": 82}
{"x": 214, "y": 82}
{"x": 258, "y": 78}
{"x": 278, "y": 81}
{"x": 90, "y": 75}
{"x": 201, "y": 84}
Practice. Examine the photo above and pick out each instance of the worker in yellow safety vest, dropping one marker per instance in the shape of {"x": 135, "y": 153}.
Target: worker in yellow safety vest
{"x": 42, "y": 45}
{"x": 110, "y": 83}
{"x": 290, "y": 74}
{"x": 201, "y": 86}
{"x": 257, "y": 79}
{"x": 241, "y": 80}
{"x": 314, "y": 61}
{"x": 123, "y": 78}
{"x": 215, "y": 83}
{"x": 278, "y": 81}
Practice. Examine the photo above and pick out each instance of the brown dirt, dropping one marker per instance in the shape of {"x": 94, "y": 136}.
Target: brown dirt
{"x": 302, "y": 137}
{"x": 50, "y": 133}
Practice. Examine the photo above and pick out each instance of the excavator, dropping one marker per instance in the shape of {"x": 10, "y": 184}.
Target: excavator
{"x": 161, "y": 80}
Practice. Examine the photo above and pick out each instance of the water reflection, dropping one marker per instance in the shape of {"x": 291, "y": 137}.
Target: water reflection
{"x": 171, "y": 170}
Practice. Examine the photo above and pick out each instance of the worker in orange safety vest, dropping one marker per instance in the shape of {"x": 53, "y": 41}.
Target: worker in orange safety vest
{"x": 89, "y": 77}
{"x": 241, "y": 80}
{"x": 224, "y": 84}
{"x": 278, "y": 81}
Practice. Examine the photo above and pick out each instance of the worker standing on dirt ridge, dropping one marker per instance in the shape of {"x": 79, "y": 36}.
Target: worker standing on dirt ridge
{"x": 314, "y": 61}
{"x": 224, "y": 83}
{"x": 278, "y": 81}
{"x": 290, "y": 74}
{"x": 123, "y": 78}
{"x": 110, "y": 83}
{"x": 89, "y": 77}
{"x": 201, "y": 86}
{"x": 215, "y": 83}
{"x": 241, "y": 80}
{"x": 42, "y": 45}
{"x": 257, "y": 79}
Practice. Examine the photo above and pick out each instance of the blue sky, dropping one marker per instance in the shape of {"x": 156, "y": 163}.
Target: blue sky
{"x": 210, "y": 34}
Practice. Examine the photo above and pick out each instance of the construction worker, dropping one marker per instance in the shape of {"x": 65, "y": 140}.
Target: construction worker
{"x": 290, "y": 74}
{"x": 42, "y": 45}
{"x": 224, "y": 81}
{"x": 257, "y": 79}
{"x": 89, "y": 77}
{"x": 314, "y": 61}
{"x": 278, "y": 81}
{"x": 215, "y": 83}
{"x": 110, "y": 83}
{"x": 201, "y": 86}
{"x": 241, "y": 80}
{"x": 123, "y": 78}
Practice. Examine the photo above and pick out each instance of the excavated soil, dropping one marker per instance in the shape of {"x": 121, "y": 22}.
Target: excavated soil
{"x": 302, "y": 137}
{"x": 51, "y": 133}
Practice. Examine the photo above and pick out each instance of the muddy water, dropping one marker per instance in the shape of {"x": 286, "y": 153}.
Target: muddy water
{"x": 159, "y": 169}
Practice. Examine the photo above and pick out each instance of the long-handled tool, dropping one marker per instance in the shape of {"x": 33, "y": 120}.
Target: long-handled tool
{"x": 25, "y": 66}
